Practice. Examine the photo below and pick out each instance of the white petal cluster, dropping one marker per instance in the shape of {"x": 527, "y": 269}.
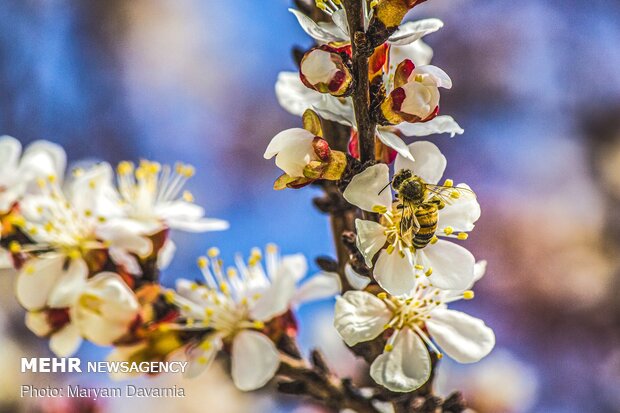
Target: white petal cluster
{"x": 413, "y": 323}
{"x": 446, "y": 264}
{"x": 75, "y": 225}
{"x": 100, "y": 309}
{"x": 234, "y": 304}
{"x": 19, "y": 171}
{"x": 405, "y": 44}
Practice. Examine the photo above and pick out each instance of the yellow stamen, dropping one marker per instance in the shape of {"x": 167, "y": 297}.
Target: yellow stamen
{"x": 468, "y": 295}
{"x": 379, "y": 209}
{"x": 15, "y": 247}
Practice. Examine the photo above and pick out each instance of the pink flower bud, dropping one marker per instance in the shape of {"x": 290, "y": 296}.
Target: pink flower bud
{"x": 323, "y": 69}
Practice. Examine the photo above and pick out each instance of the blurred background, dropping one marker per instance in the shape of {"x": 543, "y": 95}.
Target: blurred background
{"x": 537, "y": 90}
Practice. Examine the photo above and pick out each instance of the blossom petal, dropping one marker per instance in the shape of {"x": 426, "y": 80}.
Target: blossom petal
{"x": 479, "y": 270}
{"x": 395, "y": 142}
{"x": 89, "y": 190}
{"x": 199, "y": 225}
{"x": 464, "y": 338}
{"x": 440, "y": 78}
{"x": 395, "y": 273}
{"x": 370, "y": 239}
{"x": 200, "y": 357}
{"x": 6, "y": 261}
{"x": 437, "y": 125}
{"x": 36, "y": 280}
{"x": 409, "y": 32}
{"x": 360, "y": 316}
{"x": 69, "y": 285}
{"x": 357, "y": 281}
{"x": 66, "y": 342}
{"x": 295, "y": 98}
{"x": 187, "y": 216}
{"x": 166, "y": 254}
{"x": 460, "y": 215}
{"x": 318, "y": 287}
{"x": 293, "y": 150}
{"x": 406, "y": 367}
{"x": 429, "y": 164}
{"x": 294, "y": 266}
{"x": 370, "y": 188}
{"x": 43, "y": 158}
{"x": 37, "y": 322}
{"x": 313, "y": 30}
{"x": 255, "y": 360}
{"x": 340, "y": 20}
{"x": 418, "y": 52}
{"x": 276, "y": 299}
{"x": 10, "y": 149}
{"x": 106, "y": 309}
{"x": 125, "y": 237}
{"x": 452, "y": 265}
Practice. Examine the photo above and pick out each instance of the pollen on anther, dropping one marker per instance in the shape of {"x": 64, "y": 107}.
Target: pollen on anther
{"x": 468, "y": 295}
{"x": 15, "y": 247}
{"x": 213, "y": 252}
{"x": 259, "y": 325}
{"x": 202, "y": 262}
{"x": 379, "y": 209}
{"x": 188, "y": 197}
{"x": 382, "y": 296}
{"x": 462, "y": 236}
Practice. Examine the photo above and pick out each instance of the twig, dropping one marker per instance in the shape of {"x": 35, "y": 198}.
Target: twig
{"x": 317, "y": 382}
{"x": 361, "y": 93}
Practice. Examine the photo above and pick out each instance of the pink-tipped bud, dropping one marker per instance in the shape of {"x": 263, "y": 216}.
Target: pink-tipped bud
{"x": 324, "y": 69}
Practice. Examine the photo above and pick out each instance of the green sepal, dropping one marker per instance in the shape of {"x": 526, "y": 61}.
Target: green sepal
{"x": 336, "y": 166}
{"x": 312, "y": 123}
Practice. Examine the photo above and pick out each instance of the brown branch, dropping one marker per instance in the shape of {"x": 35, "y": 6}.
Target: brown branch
{"x": 361, "y": 51}
{"x": 315, "y": 380}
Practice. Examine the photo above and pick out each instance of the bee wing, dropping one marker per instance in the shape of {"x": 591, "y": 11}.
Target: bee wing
{"x": 409, "y": 225}
{"x": 449, "y": 194}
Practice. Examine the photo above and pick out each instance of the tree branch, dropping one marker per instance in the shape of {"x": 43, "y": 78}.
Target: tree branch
{"x": 317, "y": 382}
{"x": 361, "y": 92}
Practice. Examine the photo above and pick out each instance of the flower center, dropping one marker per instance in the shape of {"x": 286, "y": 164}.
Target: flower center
{"x": 412, "y": 312}
{"x": 150, "y": 184}
{"x": 59, "y": 225}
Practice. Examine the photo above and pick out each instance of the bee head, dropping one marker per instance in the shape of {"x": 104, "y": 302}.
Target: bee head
{"x": 400, "y": 177}
{"x": 409, "y": 186}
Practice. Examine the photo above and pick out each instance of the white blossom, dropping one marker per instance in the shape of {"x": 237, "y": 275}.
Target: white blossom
{"x": 100, "y": 309}
{"x": 447, "y": 265}
{"x": 105, "y": 309}
{"x": 414, "y": 323}
{"x": 293, "y": 149}
{"x": 151, "y": 197}
{"x": 405, "y": 44}
{"x": 235, "y": 303}
{"x": 66, "y": 226}
{"x": 18, "y": 172}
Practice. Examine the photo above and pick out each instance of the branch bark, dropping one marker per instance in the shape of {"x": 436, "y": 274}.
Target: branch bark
{"x": 361, "y": 92}
{"x": 317, "y": 382}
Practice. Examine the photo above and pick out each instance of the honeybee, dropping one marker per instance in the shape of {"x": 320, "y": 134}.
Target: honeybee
{"x": 420, "y": 203}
